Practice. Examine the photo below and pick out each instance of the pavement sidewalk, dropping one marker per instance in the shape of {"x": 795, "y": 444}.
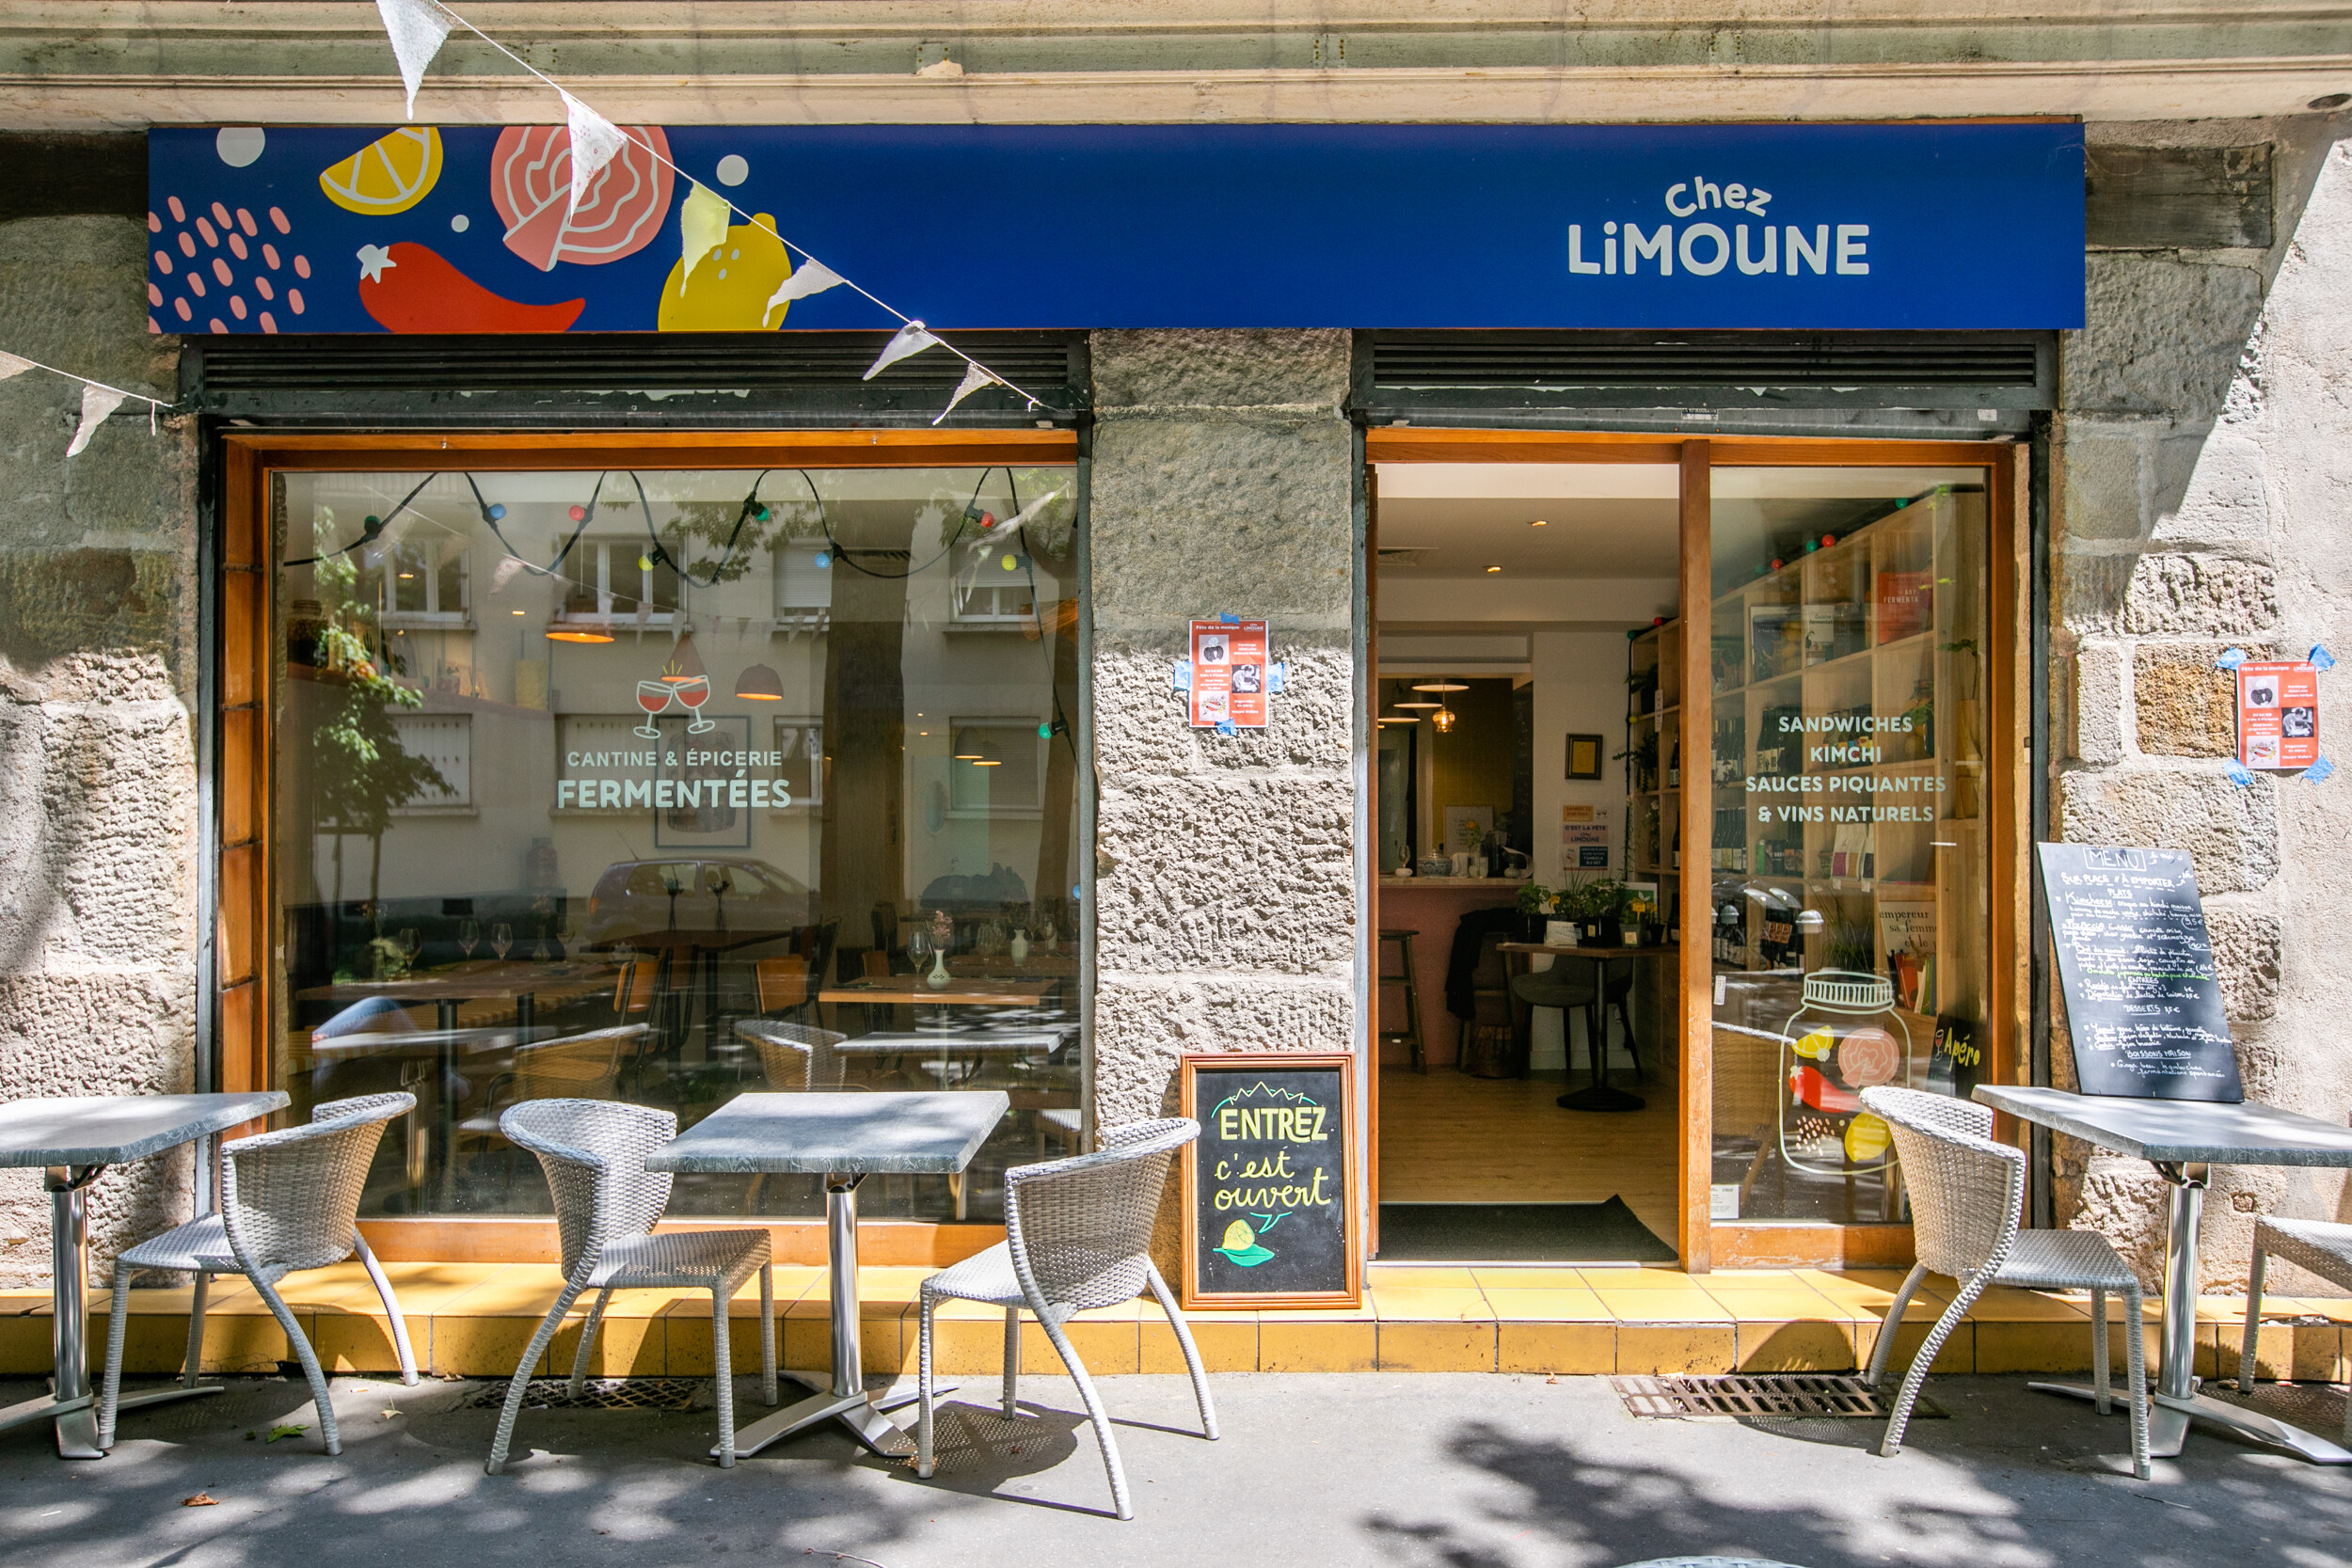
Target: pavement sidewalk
{"x": 1450, "y": 1470}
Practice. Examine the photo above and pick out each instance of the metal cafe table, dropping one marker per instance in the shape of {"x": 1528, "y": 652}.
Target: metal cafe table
{"x": 845, "y": 1138}
{"x": 2181, "y": 1138}
{"x": 73, "y": 1140}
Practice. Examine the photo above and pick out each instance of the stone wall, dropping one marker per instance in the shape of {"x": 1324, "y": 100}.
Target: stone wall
{"x": 98, "y": 669}
{"x": 2199, "y": 502}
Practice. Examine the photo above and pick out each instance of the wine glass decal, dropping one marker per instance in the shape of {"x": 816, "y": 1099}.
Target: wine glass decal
{"x": 653, "y": 696}
{"x": 695, "y": 691}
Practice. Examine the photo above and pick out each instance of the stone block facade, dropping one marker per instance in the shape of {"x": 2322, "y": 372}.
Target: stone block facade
{"x": 98, "y": 680}
{"x": 2198, "y": 505}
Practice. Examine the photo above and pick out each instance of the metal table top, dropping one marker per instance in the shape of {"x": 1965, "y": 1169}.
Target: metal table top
{"x": 846, "y": 1133}
{"x": 2179, "y": 1132}
{"x": 112, "y": 1129}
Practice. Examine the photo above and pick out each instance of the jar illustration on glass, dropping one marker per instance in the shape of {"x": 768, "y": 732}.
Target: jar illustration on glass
{"x": 1846, "y": 1037}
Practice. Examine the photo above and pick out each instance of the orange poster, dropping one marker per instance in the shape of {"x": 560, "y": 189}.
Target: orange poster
{"x": 2278, "y": 715}
{"x": 1229, "y": 674}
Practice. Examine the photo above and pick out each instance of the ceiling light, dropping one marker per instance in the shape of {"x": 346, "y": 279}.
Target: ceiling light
{"x": 759, "y": 683}
{"x": 1538, "y": 522}
{"x": 578, "y": 634}
{"x": 1401, "y": 719}
{"x": 1492, "y": 570}
{"x": 1416, "y": 705}
{"x": 1438, "y": 685}
{"x": 966, "y": 749}
{"x": 989, "y": 756}
{"x": 684, "y": 663}
{"x": 518, "y": 612}
{"x": 1444, "y": 719}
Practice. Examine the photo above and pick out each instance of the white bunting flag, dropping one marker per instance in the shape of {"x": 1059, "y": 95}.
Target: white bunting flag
{"x": 814, "y": 277}
{"x": 416, "y": 28}
{"x": 704, "y": 223}
{"x": 975, "y": 376}
{"x": 1016, "y": 523}
{"x": 506, "y": 572}
{"x": 97, "y": 402}
{"x": 594, "y": 142}
{"x": 11, "y": 365}
{"x": 907, "y": 342}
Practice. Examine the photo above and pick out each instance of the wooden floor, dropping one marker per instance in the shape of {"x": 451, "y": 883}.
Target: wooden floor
{"x": 1450, "y": 1138}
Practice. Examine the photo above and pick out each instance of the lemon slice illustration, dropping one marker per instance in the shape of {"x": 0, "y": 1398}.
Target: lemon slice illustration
{"x": 1241, "y": 1245}
{"x": 389, "y": 175}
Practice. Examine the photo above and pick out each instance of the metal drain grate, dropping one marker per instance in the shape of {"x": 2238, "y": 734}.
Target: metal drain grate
{"x": 600, "y": 1393}
{"x": 1778, "y": 1394}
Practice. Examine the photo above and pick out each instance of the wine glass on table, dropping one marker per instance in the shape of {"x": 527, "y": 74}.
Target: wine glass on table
{"x": 409, "y": 945}
{"x": 468, "y": 936}
{"x": 653, "y": 696}
{"x": 695, "y": 693}
{"x": 502, "y": 938}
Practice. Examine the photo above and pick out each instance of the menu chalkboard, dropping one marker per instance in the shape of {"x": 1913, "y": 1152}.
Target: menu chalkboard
{"x": 2142, "y": 1003}
{"x": 1269, "y": 1203}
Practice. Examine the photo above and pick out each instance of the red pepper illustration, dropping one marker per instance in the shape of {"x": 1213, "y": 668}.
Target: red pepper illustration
{"x": 411, "y": 288}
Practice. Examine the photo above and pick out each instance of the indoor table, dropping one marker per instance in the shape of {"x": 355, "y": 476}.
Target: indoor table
{"x": 73, "y": 1140}
{"x": 2182, "y": 1138}
{"x": 516, "y": 980}
{"x": 1599, "y": 1094}
{"x": 845, "y": 1138}
{"x": 442, "y": 1047}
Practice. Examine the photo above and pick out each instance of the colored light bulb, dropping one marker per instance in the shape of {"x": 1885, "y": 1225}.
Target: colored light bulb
{"x": 580, "y": 514}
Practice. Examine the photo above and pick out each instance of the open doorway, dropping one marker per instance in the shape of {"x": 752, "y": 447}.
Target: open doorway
{"x": 1528, "y": 758}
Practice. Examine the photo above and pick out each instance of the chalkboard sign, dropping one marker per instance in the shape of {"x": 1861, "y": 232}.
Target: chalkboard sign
{"x": 1269, "y": 1202}
{"x": 2142, "y": 1004}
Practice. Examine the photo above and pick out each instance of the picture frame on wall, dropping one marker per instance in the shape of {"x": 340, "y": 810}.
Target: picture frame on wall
{"x": 1584, "y": 757}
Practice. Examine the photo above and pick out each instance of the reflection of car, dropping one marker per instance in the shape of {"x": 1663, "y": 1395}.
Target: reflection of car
{"x": 637, "y": 899}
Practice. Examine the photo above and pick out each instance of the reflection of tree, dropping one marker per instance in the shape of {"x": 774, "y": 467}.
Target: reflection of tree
{"x": 359, "y": 771}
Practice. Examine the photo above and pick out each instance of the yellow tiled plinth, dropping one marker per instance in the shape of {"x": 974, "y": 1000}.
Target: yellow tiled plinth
{"x": 474, "y": 1319}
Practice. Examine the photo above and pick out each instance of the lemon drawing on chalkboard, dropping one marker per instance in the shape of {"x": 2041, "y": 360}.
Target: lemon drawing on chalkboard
{"x": 1241, "y": 1245}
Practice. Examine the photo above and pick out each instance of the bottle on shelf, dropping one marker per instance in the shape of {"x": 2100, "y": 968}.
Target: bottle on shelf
{"x": 1674, "y": 766}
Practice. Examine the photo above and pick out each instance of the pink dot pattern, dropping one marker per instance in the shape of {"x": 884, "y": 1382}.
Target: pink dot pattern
{"x": 172, "y": 285}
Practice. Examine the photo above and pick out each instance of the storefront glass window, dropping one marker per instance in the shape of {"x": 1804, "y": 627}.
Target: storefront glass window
{"x": 578, "y": 770}
{"x": 1848, "y": 847}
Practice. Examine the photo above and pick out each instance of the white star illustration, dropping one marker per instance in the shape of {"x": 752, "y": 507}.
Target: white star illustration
{"x": 373, "y": 259}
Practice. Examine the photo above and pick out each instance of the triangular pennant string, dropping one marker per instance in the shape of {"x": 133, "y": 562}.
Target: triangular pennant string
{"x": 595, "y": 140}
{"x": 97, "y": 402}
{"x": 417, "y": 29}
{"x": 11, "y": 365}
{"x": 814, "y": 277}
{"x": 904, "y": 343}
{"x": 975, "y": 376}
{"x": 703, "y": 224}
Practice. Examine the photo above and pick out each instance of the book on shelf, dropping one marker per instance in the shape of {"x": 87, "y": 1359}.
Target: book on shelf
{"x": 1906, "y": 603}
{"x": 1850, "y": 850}
{"x": 1907, "y": 947}
{"x": 1775, "y": 638}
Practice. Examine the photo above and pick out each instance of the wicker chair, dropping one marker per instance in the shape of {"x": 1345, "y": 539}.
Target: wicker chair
{"x": 289, "y": 1201}
{"x": 606, "y": 1205}
{"x": 573, "y": 1067}
{"x": 2324, "y": 1249}
{"x": 795, "y": 1056}
{"x": 1967, "y": 1193}
{"x": 1077, "y": 1236}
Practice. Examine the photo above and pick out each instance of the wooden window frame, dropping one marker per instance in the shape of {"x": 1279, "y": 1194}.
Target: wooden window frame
{"x": 1702, "y": 1243}
{"x": 245, "y": 999}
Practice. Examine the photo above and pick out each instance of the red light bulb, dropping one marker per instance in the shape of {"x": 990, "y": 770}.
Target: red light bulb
{"x": 580, "y": 514}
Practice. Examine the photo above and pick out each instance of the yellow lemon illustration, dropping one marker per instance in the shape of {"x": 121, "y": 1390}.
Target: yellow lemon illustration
{"x": 1866, "y": 1139}
{"x": 389, "y": 175}
{"x": 1816, "y": 1045}
{"x": 1238, "y": 1237}
{"x": 731, "y": 284}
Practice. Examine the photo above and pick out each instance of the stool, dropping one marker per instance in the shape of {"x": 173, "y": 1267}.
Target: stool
{"x": 1411, "y": 1033}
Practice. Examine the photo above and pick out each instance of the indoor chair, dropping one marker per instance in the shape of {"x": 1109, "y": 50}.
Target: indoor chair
{"x": 1967, "y": 1194}
{"x": 289, "y": 1201}
{"x": 606, "y": 1205}
{"x": 1077, "y": 1236}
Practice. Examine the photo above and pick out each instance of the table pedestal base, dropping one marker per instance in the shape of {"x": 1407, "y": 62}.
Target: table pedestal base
{"x": 1600, "y": 1097}
{"x": 861, "y": 1412}
{"x": 2167, "y": 1424}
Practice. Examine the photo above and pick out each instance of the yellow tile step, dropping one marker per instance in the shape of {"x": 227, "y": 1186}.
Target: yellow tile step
{"x": 474, "y": 1319}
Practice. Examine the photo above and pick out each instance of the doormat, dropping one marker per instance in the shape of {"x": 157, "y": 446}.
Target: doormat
{"x": 1518, "y": 1233}
{"x": 1816, "y": 1395}
{"x": 599, "y": 1393}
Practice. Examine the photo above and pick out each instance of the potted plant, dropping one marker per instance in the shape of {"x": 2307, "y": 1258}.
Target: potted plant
{"x": 1537, "y": 904}
{"x": 1592, "y": 905}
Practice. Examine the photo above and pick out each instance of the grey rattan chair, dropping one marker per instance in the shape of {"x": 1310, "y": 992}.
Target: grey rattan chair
{"x": 2324, "y": 1249}
{"x": 289, "y": 1201}
{"x": 795, "y": 1056}
{"x": 606, "y": 1205}
{"x": 1077, "y": 1236}
{"x": 1967, "y": 1193}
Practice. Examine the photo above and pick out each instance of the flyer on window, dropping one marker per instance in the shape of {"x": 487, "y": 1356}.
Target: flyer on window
{"x": 1229, "y": 673}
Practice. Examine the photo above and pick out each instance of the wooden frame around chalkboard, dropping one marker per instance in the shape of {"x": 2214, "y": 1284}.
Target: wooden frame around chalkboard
{"x": 1351, "y": 1242}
